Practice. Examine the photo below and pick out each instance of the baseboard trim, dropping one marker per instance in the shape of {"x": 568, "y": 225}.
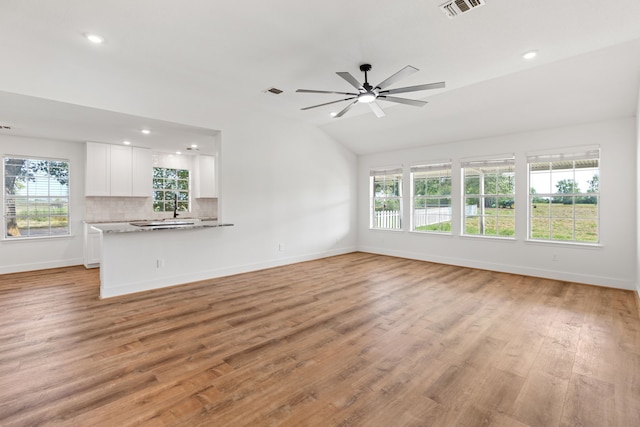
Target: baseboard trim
{"x": 608, "y": 282}
{"x": 21, "y": 268}
{"x": 142, "y": 286}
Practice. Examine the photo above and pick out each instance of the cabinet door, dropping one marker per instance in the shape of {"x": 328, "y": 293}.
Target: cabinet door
{"x": 91, "y": 247}
{"x": 98, "y": 170}
{"x": 120, "y": 171}
{"x": 142, "y": 174}
{"x": 207, "y": 176}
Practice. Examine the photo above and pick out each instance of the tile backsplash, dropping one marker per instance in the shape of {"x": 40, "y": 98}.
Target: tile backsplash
{"x": 105, "y": 209}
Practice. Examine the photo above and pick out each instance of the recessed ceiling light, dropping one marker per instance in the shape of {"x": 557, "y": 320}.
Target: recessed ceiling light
{"x": 126, "y": 142}
{"x": 194, "y": 145}
{"x": 530, "y": 55}
{"x": 333, "y": 114}
{"x": 146, "y": 131}
{"x": 178, "y": 152}
{"x": 94, "y": 38}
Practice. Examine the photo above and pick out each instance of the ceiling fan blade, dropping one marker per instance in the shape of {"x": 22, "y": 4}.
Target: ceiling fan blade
{"x": 405, "y": 72}
{"x": 413, "y": 102}
{"x": 341, "y": 113}
{"x": 325, "y": 91}
{"x": 328, "y": 103}
{"x": 428, "y": 86}
{"x": 349, "y": 78}
{"x": 376, "y": 109}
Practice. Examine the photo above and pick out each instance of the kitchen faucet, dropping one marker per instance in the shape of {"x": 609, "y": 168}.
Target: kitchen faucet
{"x": 175, "y": 205}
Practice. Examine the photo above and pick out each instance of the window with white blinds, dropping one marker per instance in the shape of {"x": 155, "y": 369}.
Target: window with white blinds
{"x": 431, "y": 198}
{"x": 36, "y": 197}
{"x": 489, "y": 194}
{"x": 386, "y": 199}
{"x": 564, "y": 196}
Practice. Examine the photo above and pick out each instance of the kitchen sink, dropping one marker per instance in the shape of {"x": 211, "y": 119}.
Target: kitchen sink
{"x": 166, "y": 223}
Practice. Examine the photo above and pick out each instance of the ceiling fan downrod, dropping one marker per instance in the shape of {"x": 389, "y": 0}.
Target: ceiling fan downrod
{"x": 365, "y": 68}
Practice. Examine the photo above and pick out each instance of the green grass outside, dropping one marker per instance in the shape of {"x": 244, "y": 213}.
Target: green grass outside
{"x": 549, "y": 222}
{"x": 42, "y": 216}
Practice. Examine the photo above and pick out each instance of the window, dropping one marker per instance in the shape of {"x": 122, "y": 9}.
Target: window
{"x": 489, "y": 189}
{"x": 431, "y": 198}
{"x": 36, "y": 197}
{"x": 386, "y": 199}
{"x": 170, "y": 190}
{"x": 564, "y": 196}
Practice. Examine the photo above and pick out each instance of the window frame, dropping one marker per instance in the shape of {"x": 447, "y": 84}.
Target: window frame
{"x": 397, "y": 199}
{"x": 503, "y": 200}
{"x": 175, "y": 190}
{"x": 439, "y": 171}
{"x": 585, "y": 155}
{"x": 50, "y": 197}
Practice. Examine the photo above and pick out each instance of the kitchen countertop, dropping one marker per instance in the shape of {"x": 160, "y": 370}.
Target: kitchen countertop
{"x": 127, "y": 227}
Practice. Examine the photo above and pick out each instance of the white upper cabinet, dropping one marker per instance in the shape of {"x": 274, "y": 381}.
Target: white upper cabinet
{"x": 206, "y": 177}
{"x": 117, "y": 171}
{"x": 142, "y": 172}
{"x": 98, "y": 170}
{"x": 121, "y": 172}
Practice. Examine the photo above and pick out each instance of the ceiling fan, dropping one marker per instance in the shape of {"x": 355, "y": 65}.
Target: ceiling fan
{"x": 368, "y": 94}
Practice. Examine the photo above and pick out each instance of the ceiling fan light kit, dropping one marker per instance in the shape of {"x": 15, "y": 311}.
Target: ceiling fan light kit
{"x": 368, "y": 94}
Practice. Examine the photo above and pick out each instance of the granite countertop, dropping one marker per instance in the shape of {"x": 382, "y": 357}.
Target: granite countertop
{"x": 127, "y": 221}
{"x": 157, "y": 225}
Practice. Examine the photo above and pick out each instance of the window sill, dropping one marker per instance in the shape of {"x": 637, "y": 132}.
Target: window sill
{"x": 387, "y": 229}
{"x": 501, "y": 238}
{"x": 36, "y": 238}
{"x": 563, "y": 243}
{"x": 431, "y": 233}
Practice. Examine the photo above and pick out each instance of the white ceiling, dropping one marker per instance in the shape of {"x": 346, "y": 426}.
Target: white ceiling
{"x": 588, "y": 67}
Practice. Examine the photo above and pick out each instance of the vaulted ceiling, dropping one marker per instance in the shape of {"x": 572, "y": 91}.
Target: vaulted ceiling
{"x": 587, "y": 68}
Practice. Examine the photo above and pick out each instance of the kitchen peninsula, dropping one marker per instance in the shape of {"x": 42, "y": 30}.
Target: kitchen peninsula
{"x": 141, "y": 256}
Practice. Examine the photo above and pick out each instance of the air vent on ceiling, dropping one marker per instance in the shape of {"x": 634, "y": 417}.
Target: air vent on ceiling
{"x": 273, "y": 91}
{"x": 5, "y": 127}
{"x": 455, "y": 8}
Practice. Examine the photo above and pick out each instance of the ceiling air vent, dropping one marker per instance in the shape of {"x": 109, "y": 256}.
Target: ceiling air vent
{"x": 456, "y": 8}
{"x": 4, "y": 127}
{"x": 273, "y": 91}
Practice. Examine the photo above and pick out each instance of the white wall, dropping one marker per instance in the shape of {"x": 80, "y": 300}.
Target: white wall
{"x": 34, "y": 254}
{"x": 611, "y": 264}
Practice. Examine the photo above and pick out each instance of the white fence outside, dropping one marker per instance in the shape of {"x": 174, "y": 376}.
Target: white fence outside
{"x": 387, "y": 219}
{"x": 421, "y": 217}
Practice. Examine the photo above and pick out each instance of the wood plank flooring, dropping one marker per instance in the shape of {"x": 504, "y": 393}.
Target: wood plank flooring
{"x": 352, "y": 340}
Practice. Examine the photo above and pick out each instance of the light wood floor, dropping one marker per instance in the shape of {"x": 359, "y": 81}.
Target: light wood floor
{"x": 353, "y": 340}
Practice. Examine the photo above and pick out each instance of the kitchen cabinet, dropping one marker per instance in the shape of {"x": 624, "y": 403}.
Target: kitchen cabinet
{"x": 117, "y": 171}
{"x": 142, "y": 172}
{"x": 91, "y": 247}
{"x": 206, "y": 177}
{"x": 120, "y": 171}
{"x": 98, "y": 170}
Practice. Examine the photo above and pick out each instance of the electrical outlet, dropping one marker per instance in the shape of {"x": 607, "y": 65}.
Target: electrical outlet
{"x": 281, "y": 247}
{"x": 160, "y": 263}
{"x": 555, "y": 257}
